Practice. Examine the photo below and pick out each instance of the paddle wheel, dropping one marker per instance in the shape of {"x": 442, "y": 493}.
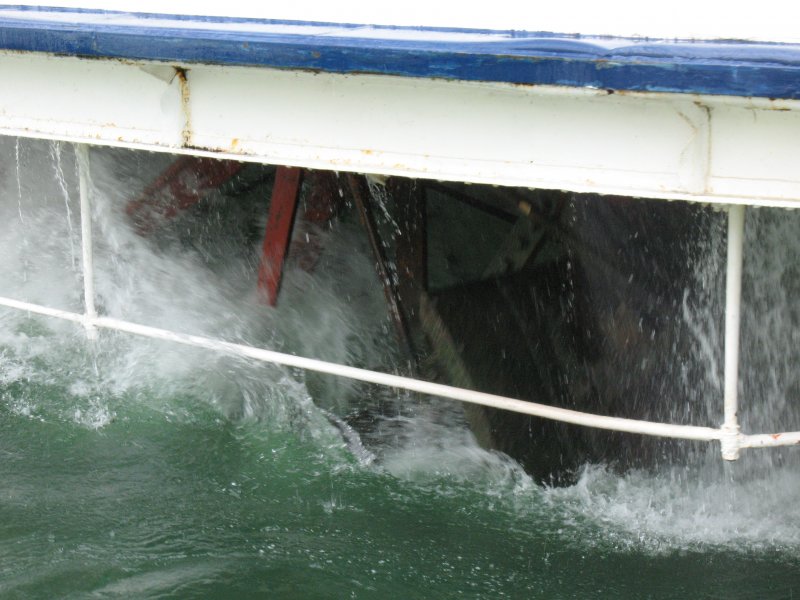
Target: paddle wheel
{"x": 189, "y": 179}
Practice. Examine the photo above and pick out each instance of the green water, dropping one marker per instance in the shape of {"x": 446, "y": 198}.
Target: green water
{"x": 197, "y": 506}
{"x": 135, "y": 469}
{"x": 192, "y": 505}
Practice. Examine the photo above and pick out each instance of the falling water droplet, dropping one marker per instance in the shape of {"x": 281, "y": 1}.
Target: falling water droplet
{"x": 55, "y": 151}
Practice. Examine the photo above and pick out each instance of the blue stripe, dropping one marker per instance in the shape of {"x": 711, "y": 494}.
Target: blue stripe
{"x": 726, "y": 68}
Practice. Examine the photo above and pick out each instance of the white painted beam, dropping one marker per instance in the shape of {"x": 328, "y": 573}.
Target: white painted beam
{"x": 675, "y": 146}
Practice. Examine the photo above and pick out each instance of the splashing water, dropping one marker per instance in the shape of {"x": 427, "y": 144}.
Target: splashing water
{"x": 704, "y": 501}
{"x": 232, "y": 476}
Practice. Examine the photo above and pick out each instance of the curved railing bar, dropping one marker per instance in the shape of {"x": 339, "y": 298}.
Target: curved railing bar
{"x": 689, "y": 432}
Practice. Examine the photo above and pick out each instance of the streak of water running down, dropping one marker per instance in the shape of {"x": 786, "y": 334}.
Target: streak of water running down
{"x": 197, "y": 275}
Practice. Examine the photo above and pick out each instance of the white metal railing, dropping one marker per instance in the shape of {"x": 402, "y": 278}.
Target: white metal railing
{"x": 729, "y": 435}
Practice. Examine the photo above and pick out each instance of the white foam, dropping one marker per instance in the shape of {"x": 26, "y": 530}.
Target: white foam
{"x": 683, "y": 509}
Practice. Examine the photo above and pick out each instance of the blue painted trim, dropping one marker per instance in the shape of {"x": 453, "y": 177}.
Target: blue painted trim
{"x": 725, "y": 68}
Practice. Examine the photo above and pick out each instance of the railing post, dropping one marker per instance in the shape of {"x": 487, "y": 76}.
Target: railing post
{"x": 730, "y": 440}
{"x": 84, "y": 177}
